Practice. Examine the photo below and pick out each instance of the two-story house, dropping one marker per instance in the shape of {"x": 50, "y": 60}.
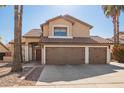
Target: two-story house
{"x": 65, "y": 40}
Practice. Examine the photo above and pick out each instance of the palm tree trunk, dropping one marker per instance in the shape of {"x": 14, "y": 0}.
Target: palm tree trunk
{"x": 117, "y": 30}
{"x": 114, "y": 23}
{"x": 21, "y": 13}
{"x": 17, "y": 66}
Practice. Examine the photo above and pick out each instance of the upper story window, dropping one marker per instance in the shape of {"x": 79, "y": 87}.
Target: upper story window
{"x": 60, "y": 31}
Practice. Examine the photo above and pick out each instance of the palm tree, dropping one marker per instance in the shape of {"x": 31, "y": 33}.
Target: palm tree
{"x": 114, "y": 11}
{"x": 17, "y": 59}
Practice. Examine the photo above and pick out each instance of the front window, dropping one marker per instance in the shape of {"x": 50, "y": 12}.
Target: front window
{"x": 60, "y": 31}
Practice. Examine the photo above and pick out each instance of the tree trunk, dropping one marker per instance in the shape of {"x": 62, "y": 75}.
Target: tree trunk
{"x": 17, "y": 65}
{"x": 116, "y": 30}
{"x": 20, "y": 23}
{"x": 114, "y": 24}
{"x": 117, "y": 17}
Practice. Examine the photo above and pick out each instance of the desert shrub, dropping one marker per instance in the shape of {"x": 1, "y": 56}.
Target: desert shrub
{"x": 118, "y": 54}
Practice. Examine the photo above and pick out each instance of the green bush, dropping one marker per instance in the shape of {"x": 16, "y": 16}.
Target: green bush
{"x": 118, "y": 54}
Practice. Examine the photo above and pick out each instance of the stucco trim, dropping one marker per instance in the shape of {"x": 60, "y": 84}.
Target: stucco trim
{"x": 43, "y": 55}
{"x": 86, "y": 55}
{"x": 26, "y": 52}
{"x": 108, "y": 54}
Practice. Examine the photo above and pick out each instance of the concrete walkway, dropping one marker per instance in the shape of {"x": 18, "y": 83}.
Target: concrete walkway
{"x": 108, "y": 75}
{"x": 3, "y": 64}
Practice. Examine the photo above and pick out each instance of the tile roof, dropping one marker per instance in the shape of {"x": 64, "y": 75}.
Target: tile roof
{"x": 33, "y": 33}
{"x": 121, "y": 41}
{"x": 77, "y": 40}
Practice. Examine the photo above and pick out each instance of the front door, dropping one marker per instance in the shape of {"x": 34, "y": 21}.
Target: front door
{"x": 38, "y": 54}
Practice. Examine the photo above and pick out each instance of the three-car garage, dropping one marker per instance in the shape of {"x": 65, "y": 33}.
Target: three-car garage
{"x": 76, "y": 54}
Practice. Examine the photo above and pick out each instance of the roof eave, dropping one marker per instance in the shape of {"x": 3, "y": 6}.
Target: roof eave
{"x": 31, "y": 36}
{"x": 4, "y": 46}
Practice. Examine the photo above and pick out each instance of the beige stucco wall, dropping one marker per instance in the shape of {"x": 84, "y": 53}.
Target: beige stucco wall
{"x": 31, "y": 39}
{"x": 121, "y": 35}
{"x": 80, "y": 30}
{"x": 3, "y": 49}
{"x": 8, "y": 59}
{"x": 45, "y": 30}
{"x": 11, "y": 48}
{"x": 75, "y": 30}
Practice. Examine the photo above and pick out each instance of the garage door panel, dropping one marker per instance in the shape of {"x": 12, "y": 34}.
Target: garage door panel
{"x": 65, "y": 55}
{"x": 97, "y": 55}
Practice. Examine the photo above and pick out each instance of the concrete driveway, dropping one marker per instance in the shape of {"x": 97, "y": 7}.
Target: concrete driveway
{"x": 108, "y": 75}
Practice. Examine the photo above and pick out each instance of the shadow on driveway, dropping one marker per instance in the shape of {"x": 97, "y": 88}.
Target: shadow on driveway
{"x": 54, "y": 73}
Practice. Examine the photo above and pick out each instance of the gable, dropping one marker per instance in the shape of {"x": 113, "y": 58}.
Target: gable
{"x": 59, "y": 17}
{"x": 60, "y": 21}
{"x": 78, "y": 21}
{"x": 77, "y": 28}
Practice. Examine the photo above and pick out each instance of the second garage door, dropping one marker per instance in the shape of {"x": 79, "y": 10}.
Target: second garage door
{"x": 65, "y": 55}
{"x": 97, "y": 55}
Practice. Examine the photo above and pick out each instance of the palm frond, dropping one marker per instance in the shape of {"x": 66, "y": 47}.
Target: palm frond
{"x": 1, "y": 6}
{"x": 122, "y": 8}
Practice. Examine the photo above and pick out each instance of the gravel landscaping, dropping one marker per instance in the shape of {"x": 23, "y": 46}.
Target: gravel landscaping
{"x": 35, "y": 74}
{"x": 9, "y": 79}
{"x": 32, "y": 78}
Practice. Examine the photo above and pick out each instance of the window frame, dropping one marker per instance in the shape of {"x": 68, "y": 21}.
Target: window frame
{"x": 62, "y": 29}
{"x": 52, "y": 36}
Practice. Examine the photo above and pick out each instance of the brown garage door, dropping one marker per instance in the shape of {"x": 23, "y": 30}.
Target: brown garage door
{"x": 97, "y": 55}
{"x": 65, "y": 55}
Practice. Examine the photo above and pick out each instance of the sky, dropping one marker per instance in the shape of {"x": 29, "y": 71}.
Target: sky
{"x": 35, "y": 15}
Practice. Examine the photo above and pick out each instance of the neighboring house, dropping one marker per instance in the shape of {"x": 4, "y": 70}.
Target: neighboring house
{"x": 65, "y": 40}
{"x": 30, "y": 45}
{"x": 121, "y": 39}
{"x": 3, "y": 51}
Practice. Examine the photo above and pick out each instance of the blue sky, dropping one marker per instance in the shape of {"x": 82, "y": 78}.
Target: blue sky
{"x": 33, "y": 16}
